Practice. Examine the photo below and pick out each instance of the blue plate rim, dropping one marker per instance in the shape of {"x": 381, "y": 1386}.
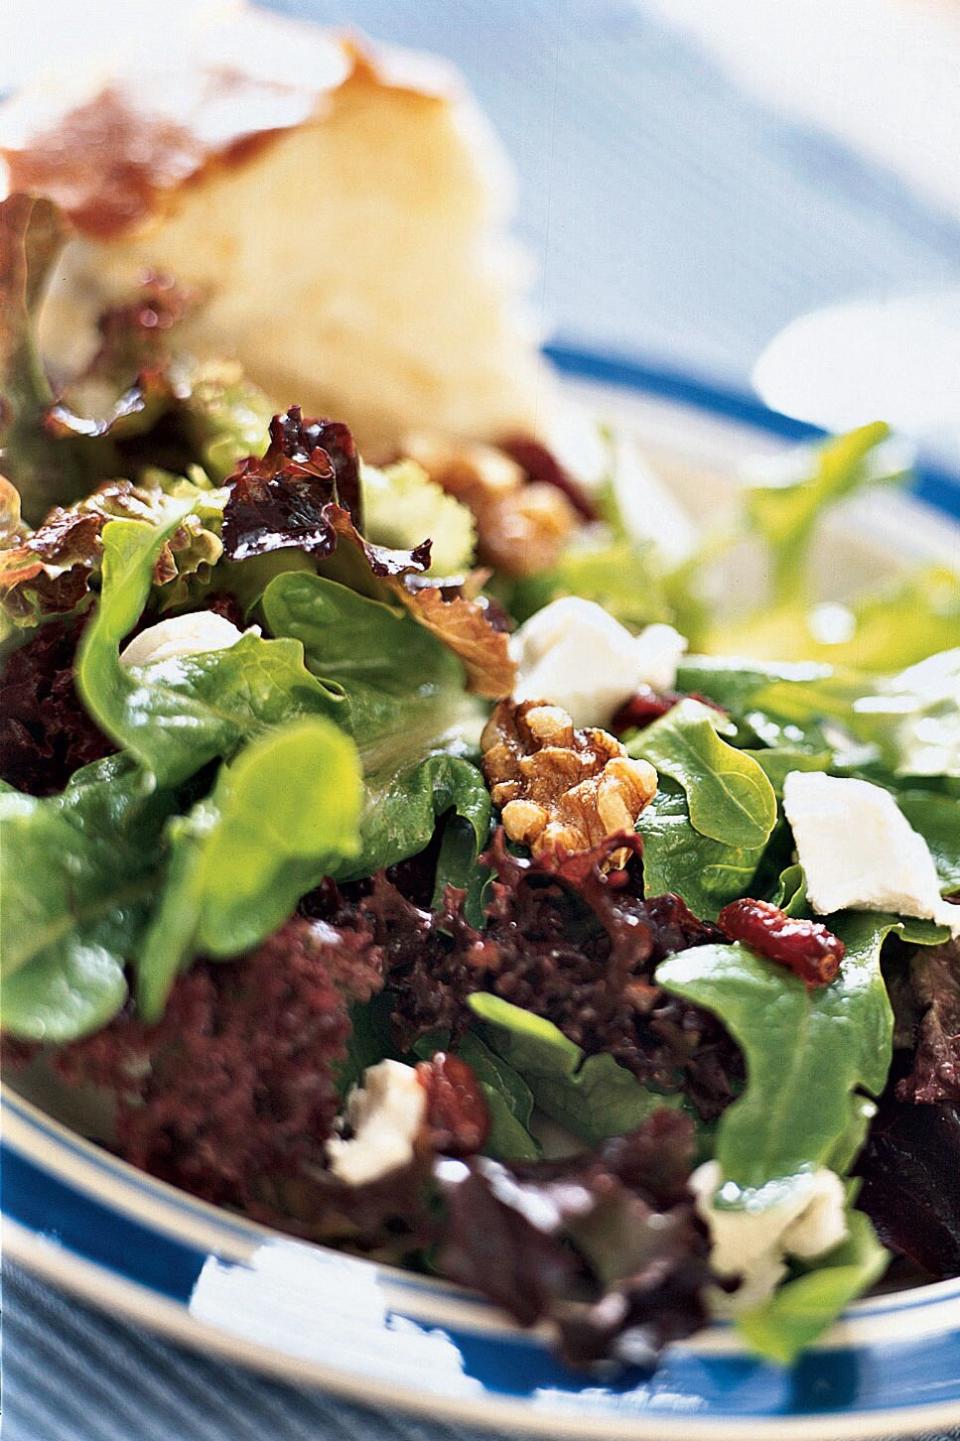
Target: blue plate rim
{"x": 124, "y": 1279}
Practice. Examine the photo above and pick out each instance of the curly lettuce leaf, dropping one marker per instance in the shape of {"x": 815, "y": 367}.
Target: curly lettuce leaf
{"x": 282, "y": 816}
{"x": 177, "y": 715}
{"x": 592, "y": 1096}
{"x": 802, "y": 1308}
{"x": 402, "y": 505}
{"x": 78, "y": 874}
{"x": 403, "y": 700}
{"x": 807, "y": 1051}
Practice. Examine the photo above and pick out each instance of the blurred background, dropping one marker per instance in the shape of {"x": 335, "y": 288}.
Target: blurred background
{"x": 693, "y": 176}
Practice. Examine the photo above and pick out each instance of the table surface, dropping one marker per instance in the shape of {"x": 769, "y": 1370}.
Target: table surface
{"x": 670, "y": 216}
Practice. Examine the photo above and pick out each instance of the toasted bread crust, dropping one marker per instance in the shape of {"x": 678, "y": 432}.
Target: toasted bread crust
{"x": 118, "y": 158}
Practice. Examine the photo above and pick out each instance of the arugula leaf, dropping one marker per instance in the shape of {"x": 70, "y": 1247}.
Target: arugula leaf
{"x": 707, "y": 873}
{"x": 786, "y": 510}
{"x": 404, "y": 702}
{"x": 282, "y": 816}
{"x": 777, "y": 763}
{"x": 806, "y": 1051}
{"x": 729, "y": 798}
{"x": 896, "y": 624}
{"x": 176, "y": 715}
{"x": 801, "y": 1309}
{"x": 914, "y": 717}
{"x": 592, "y": 1096}
{"x": 78, "y": 872}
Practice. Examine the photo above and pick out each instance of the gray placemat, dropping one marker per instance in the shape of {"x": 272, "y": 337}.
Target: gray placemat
{"x": 670, "y": 216}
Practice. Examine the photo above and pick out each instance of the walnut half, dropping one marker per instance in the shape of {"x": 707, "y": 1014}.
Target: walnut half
{"x": 521, "y": 525}
{"x": 557, "y": 786}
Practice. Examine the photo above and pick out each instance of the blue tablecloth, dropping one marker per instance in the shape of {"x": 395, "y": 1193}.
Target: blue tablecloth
{"x": 670, "y": 216}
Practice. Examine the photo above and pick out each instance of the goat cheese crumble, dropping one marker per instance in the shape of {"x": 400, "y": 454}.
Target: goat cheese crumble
{"x": 575, "y": 655}
{"x": 804, "y": 1216}
{"x": 385, "y": 1115}
{"x": 182, "y": 635}
{"x": 859, "y": 852}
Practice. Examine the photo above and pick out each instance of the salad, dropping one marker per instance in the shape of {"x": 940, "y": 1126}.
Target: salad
{"x": 404, "y": 851}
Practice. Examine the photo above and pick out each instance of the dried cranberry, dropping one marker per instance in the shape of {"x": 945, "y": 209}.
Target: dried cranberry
{"x": 457, "y": 1117}
{"x": 807, "y": 948}
{"x": 644, "y": 707}
{"x": 647, "y": 705}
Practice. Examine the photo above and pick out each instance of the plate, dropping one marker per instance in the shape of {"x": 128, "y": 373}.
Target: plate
{"x": 144, "y": 1250}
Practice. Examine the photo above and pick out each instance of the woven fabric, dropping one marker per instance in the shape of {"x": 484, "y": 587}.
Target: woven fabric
{"x": 668, "y": 216}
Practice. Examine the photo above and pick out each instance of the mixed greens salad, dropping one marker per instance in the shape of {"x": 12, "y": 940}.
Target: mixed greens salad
{"x": 405, "y": 853}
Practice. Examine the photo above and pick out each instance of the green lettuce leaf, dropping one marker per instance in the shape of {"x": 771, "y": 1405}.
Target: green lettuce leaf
{"x": 728, "y": 796}
{"x": 402, "y": 506}
{"x": 592, "y": 1096}
{"x": 78, "y": 873}
{"x": 403, "y": 700}
{"x": 281, "y": 817}
{"x": 704, "y": 834}
{"x": 801, "y": 1309}
{"x": 177, "y": 715}
{"x": 807, "y": 1051}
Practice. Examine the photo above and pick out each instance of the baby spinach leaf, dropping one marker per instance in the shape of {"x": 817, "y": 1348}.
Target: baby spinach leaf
{"x": 280, "y": 817}
{"x": 592, "y": 1096}
{"x": 777, "y": 762}
{"x": 403, "y": 700}
{"x": 78, "y": 872}
{"x": 678, "y": 858}
{"x": 704, "y": 844}
{"x": 729, "y": 798}
{"x": 176, "y": 715}
{"x": 807, "y": 1051}
{"x": 801, "y": 1309}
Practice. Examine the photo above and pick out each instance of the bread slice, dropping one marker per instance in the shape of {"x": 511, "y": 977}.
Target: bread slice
{"x": 340, "y": 213}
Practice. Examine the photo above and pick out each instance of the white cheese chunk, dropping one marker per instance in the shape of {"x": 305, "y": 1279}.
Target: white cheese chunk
{"x": 805, "y": 1217}
{"x": 385, "y": 1115}
{"x": 182, "y": 635}
{"x": 575, "y": 655}
{"x": 859, "y": 851}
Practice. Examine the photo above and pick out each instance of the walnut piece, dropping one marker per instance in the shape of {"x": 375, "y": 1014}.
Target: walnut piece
{"x": 557, "y": 786}
{"x": 521, "y": 525}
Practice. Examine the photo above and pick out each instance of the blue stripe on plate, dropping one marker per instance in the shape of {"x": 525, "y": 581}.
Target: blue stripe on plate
{"x": 889, "y": 1376}
{"x": 932, "y": 484}
{"x": 48, "y": 1206}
